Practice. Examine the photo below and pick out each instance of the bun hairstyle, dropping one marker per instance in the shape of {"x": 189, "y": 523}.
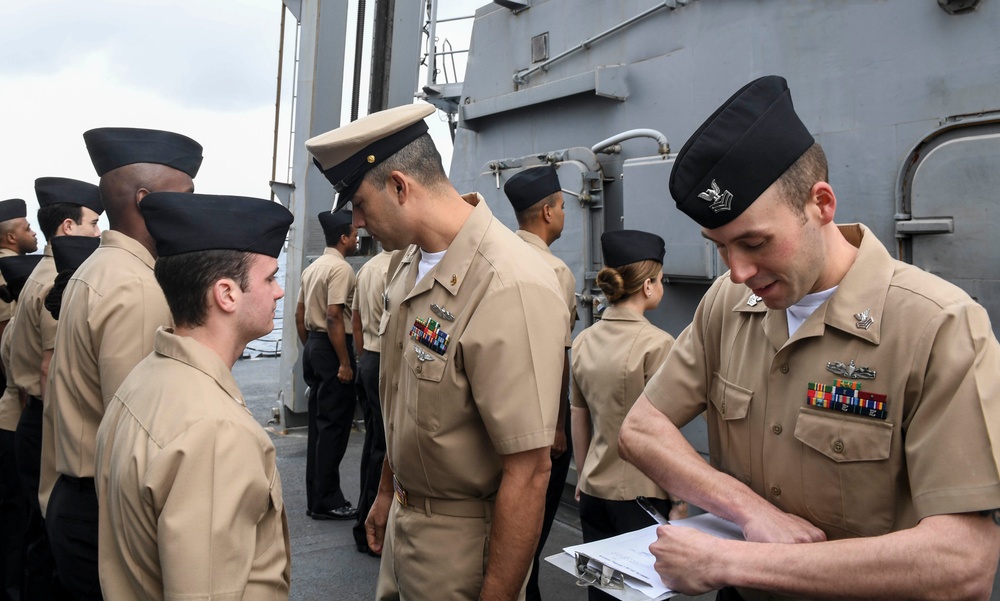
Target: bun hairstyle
{"x": 618, "y": 283}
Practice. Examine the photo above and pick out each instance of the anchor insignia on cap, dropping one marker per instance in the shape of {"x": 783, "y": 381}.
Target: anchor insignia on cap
{"x": 851, "y": 370}
{"x": 720, "y": 199}
{"x": 864, "y": 319}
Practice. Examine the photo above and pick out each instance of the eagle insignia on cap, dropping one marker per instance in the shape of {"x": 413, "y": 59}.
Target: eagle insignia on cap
{"x": 721, "y": 199}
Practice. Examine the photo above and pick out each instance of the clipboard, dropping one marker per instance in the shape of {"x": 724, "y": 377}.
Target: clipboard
{"x": 619, "y": 590}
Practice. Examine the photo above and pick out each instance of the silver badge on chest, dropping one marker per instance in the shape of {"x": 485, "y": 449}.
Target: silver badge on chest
{"x": 851, "y": 370}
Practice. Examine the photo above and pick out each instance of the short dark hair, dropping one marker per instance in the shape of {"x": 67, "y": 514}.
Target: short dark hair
{"x": 419, "y": 159}
{"x": 186, "y": 279}
{"x": 528, "y": 215}
{"x": 51, "y": 217}
{"x": 797, "y": 181}
{"x": 334, "y": 235}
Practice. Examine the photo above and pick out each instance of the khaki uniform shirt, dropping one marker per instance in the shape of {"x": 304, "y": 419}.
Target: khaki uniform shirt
{"x": 494, "y": 389}
{"x": 567, "y": 283}
{"x": 189, "y": 492}
{"x": 10, "y": 402}
{"x": 368, "y": 298}
{"x": 934, "y": 358}
{"x": 35, "y": 328}
{"x": 328, "y": 281}
{"x": 111, "y": 309}
{"x": 6, "y": 309}
{"x": 612, "y": 361}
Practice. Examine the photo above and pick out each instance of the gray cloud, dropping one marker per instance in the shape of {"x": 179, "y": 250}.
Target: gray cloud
{"x": 208, "y": 55}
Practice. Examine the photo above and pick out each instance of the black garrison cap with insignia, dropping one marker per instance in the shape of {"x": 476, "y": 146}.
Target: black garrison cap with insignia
{"x": 69, "y": 252}
{"x": 346, "y": 154}
{"x": 62, "y": 190}
{"x": 622, "y": 247}
{"x": 182, "y": 223}
{"x": 743, "y": 148}
{"x": 331, "y": 220}
{"x": 114, "y": 147}
{"x": 527, "y": 187}
{"x": 12, "y": 208}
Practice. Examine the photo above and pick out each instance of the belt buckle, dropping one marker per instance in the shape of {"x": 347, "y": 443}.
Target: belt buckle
{"x": 399, "y": 492}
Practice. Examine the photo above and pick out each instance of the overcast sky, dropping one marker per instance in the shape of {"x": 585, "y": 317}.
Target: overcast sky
{"x": 204, "y": 69}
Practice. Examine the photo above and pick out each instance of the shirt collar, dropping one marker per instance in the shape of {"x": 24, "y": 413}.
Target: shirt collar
{"x": 620, "y": 313}
{"x": 195, "y": 354}
{"x": 114, "y": 239}
{"x": 864, "y": 288}
{"x": 533, "y": 239}
{"x": 450, "y": 272}
{"x": 333, "y": 252}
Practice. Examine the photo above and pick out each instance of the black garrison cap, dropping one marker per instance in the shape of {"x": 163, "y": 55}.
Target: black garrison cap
{"x": 114, "y": 147}
{"x": 69, "y": 252}
{"x": 622, "y": 247}
{"x": 347, "y": 153}
{"x": 12, "y": 208}
{"x": 331, "y": 220}
{"x": 527, "y": 187}
{"x": 62, "y": 190}
{"x": 18, "y": 267}
{"x": 743, "y": 148}
{"x": 182, "y": 223}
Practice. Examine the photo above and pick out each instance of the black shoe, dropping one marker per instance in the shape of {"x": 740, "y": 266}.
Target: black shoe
{"x": 345, "y": 512}
{"x": 309, "y": 513}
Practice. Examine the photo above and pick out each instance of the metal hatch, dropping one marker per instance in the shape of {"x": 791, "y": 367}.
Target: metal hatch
{"x": 950, "y": 213}
{"x": 583, "y": 190}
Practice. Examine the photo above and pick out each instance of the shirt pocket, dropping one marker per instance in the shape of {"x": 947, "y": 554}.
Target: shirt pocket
{"x": 270, "y": 524}
{"x": 847, "y": 474}
{"x": 423, "y": 393}
{"x": 728, "y": 428}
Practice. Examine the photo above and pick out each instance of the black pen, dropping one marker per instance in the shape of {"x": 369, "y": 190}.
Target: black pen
{"x": 653, "y": 513}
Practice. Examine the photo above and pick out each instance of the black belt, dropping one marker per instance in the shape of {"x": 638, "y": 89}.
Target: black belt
{"x": 83, "y": 484}
{"x": 311, "y": 335}
{"x": 32, "y": 400}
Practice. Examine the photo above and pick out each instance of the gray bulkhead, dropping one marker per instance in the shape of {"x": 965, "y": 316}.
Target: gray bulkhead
{"x": 901, "y": 94}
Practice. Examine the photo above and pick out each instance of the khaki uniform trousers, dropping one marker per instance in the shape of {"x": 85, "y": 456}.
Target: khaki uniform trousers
{"x": 438, "y": 556}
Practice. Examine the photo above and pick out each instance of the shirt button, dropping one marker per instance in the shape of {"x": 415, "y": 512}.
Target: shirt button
{"x": 395, "y": 386}
{"x": 838, "y": 446}
{"x": 776, "y": 428}
{"x": 392, "y": 426}
{"x": 723, "y": 407}
{"x": 419, "y": 368}
{"x": 401, "y": 345}
{"x": 776, "y": 491}
{"x": 784, "y": 368}
{"x": 407, "y": 304}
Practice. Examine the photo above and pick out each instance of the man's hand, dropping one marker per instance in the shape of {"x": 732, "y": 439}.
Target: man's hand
{"x": 376, "y": 521}
{"x": 559, "y": 444}
{"x": 345, "y": 374}
{"x": 685, "y": 559}
{"x": 776, "y": 526}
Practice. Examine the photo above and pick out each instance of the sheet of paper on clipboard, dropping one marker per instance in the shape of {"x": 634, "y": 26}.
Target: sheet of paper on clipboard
{"x": 622, "y": 565}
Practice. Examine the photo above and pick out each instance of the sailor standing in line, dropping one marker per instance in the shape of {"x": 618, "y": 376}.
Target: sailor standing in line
{"x": 367, "y": 315}
{"x": 67, "y": 207}
{"x": 189, "y": 490}
{"x": 16, "y": 238}
{"x": 13, "y": 503}
{"x": 473, "y": 347}
{"x": 539, "y": 207}
{"x": 111, "y": 309}
{"x": 323, "y": 323}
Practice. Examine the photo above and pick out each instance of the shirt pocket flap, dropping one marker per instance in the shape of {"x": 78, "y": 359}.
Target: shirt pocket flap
{"x": 842, "y": 439}
{"x": 383, "y": 323}
{"x": 730, "y": 400}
